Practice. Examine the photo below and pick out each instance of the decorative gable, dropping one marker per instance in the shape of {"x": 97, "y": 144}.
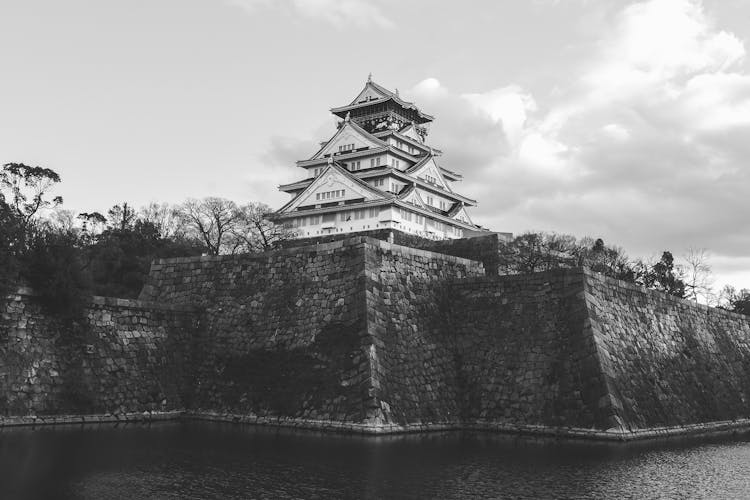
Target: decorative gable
{"x": 348, "y": 138}
{"x": 410, "y": 131}
{"x": 429, "y": 172}
{"x": 331, "y": 186}
{"x": 412, "y": 196}
{"x": 368, "y": 93}
{"x": 462, "y": 216}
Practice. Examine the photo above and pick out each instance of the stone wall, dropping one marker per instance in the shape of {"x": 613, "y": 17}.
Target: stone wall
{"x": 527, "y": 353}
{"x": 365, "y": 335}
{"x": 283, "y": 333}
{"x": 125, "y": 356}
{"x": 416, "y": 369}
{"x": 667, "y": 361}
{"x": 481, "y": 246}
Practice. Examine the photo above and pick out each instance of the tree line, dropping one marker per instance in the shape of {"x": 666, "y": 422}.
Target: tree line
{"x": 688, "y": 277}
{"x": 66, "y": 257}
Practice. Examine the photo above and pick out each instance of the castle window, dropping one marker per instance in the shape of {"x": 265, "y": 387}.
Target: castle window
{"x": 327, "y": 195}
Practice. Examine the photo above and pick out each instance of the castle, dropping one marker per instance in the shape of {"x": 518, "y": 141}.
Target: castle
{"x": 348, "y": 332}
{"x": 377, "y": 172}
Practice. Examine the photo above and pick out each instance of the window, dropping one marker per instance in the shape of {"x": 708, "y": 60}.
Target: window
{"x": 395, "y": 163}
{"x": 374, "y": 212}
{"x": 346, "y": 148}
{"x": 420, "y": 219}
{"x": 375, "y": 162}
{"x": 406, "y": 215}
{"x": 430, "y": 200}
{"x": 355, "y": 165}
{"x": 442, "y": 205}
{"x": 327, "y": 195}
{"x": 431, "y": 179}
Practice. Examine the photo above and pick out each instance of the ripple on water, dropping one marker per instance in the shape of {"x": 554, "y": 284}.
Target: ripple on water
{"x": 200, "y": 460}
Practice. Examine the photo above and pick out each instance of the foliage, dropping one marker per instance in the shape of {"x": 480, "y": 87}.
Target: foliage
{"x": 120, "y": 256}
{"x": 254, "y": 232}
{"x": 210, "y": 220}
{"x": 52, "y": 266}
{"x": 663, "y": 276}
{"x": 225, "y": 227}
{"x": 23, "y": 191}
{"x": 533, "y": 252}
{"x": 735, "y": 301}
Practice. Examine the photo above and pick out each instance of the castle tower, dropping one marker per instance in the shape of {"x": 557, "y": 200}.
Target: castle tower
{"x": 377, "y": 172}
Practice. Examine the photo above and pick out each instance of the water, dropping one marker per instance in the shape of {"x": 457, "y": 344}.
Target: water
{"x": 203, "y": 460}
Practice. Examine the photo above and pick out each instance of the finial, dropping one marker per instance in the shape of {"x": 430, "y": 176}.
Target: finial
{"x": 348, "y": 117}
{"x": 369, "y": 78}
{"x": 330, "y": 160}
{"x": 396, "y": 92}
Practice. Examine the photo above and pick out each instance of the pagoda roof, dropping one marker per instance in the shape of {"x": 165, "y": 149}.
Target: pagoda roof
{"x": 421, "y": 145}
{"x": 378, "y": 94}
{"x": 379, "y": 172}
{"x": 348, "y": 124}
{"x": 336, "y": 169}
{"x": 361, "y": 153}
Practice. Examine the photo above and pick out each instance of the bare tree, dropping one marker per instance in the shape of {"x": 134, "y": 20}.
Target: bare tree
{"x": 211, "y": 220}
{"x": 254, "y": 232}
{"x": 696, "y": 272}
{"x": 164, "y": 217}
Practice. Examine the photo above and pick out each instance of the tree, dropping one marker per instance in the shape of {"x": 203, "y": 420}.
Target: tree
{"x": 662, "y": 276}
{"x": 254, "y": 232}
{"x": 52, "y": 266}
{"x": 121, "y": 217}
{"x": 697, "y": 275}
{"x": 735, "y": 301}
{"x": 608, "y": 260}
{"x": 23, "y": 191}
{"x": 164, "y": 217}
{"x": 212, "y": 220}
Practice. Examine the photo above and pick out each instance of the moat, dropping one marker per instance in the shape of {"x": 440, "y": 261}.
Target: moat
{"x": 209, "y": 460}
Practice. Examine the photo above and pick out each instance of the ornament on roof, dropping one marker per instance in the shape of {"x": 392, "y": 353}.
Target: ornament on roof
{"x": 330, "y": 159}
{"x": 397, "y": 93}
{"x": 348, "y": 117}
{"x": 369, "y": 78}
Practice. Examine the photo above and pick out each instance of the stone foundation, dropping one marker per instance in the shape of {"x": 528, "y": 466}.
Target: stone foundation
{"x": 361, "y": 335}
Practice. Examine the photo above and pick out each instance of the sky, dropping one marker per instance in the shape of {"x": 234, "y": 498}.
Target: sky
{"x": 625, "y": 120}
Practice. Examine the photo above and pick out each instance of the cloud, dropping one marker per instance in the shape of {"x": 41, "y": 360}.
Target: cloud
{"x": 644, "y": 142}
{"x": 647, "y": 148}
{"x": 340, "y": 13}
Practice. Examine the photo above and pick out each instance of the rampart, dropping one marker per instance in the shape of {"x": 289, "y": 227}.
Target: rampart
{"x": 363, "y": 335}
{"x": 124, "y": 358}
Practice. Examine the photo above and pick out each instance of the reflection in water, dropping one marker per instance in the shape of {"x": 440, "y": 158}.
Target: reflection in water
{"x": 202, "y": 460}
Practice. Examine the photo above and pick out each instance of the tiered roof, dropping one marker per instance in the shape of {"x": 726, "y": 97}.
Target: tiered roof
{"x": 346, "y": 163}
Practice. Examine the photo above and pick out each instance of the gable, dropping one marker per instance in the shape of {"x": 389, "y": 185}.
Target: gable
{"x": 410, "y": 131}
{"x": 348, "y": 138}
{"x": 462, "y": 216}
{"x": 413, "y": 198}
{"x": 331, "y": 186}
{"x": 367, "y": 94}
{"x": 430, "y": 172}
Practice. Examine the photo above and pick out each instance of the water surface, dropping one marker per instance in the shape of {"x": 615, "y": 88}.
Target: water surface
{"x": 205, "y": 460}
